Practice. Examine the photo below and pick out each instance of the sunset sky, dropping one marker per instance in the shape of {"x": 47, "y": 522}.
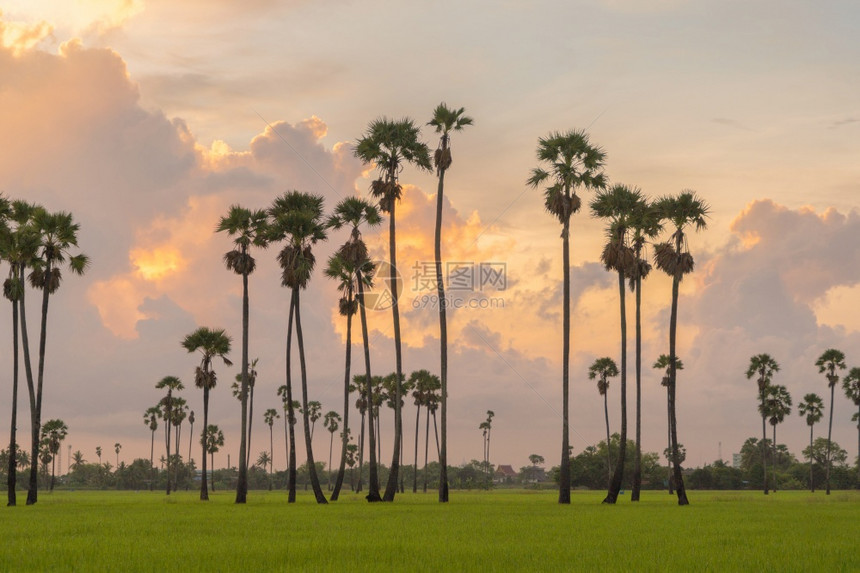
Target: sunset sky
{"x": 148, "y": 118}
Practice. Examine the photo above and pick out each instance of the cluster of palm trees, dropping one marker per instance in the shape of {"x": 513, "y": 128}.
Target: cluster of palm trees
{"x": 775, "y": 404}
{"x": 569, "y": 162}
{"x": 38, "y": 245}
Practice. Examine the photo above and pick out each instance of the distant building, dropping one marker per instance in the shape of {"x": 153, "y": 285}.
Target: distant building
{"x": 736, "y": 461}
{"x": 504, "y": 474}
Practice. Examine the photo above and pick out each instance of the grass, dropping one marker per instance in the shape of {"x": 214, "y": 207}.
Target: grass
{"x": 485, "y": 531}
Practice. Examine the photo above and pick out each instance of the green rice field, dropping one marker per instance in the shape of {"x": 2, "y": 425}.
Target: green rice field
{"x": 484, "y": 531}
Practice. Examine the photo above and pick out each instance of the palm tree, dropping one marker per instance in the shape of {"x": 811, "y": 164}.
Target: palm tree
{"x": 331, "y": 423}
{"x": 485, "y": 430}
{"x": 359, "y": 385}
{"x": 389, "y": 145}
{"x": 237, "y": 393}
{"x": 18, "y": 246}
{"x": 99, "y": 454}
{"x": 58, "y": 233}
{"x": 662, "y": 363}
{"x": 490, "y": 416}
{"x": 289, "y": 439}
{"x": 177, "y": 416}
{"x": 813, "y": 408}
{"x": 573, "y": 163}
{"x": 78, "y": 459}
{"x": 264, "y": 461}
{"x": 423, "y": 384}
{"x": 53, "y": 433}
{"x": 248, "y": 228}
{"x": 353, "y": 270}
{"x": 778, "y": 406}
{"x": 673, "y": 257}
{"x": 431, "y": 402}
{"x": 851, "y": 385}
{"x": 150, "y": 419}
{"x": 445, "y": 120}
{"x": 618, "y": 204}
{"x": 314, "y": 413}
{"x": 830, "y": 361}
{"x": 764, "y": 367}
{"x": 214, "y": 442}
{"x": 297, "y": 218}
{"x": 173, "y": 384}
{"x": 644, "y": 221}
{"x": 116, "y": 448}
{"x": 190, "y": 433}
{"x": 210, "y": 343}
{"x": 603, "y": 369}
{"x": 269, "y": 417}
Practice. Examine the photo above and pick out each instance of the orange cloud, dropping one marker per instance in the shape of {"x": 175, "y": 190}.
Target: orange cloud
{"x": 20, "y": 37}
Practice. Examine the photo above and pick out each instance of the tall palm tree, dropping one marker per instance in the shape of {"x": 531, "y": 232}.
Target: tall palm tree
{"x": 812, "y": 407}
{"x": 248, "y": 228}
{"x": 190, "y": 433}
{"x": 423, "y": 384}
{"x": 763, "y": 367}
{"x": 673, "y": 257}
{"x": 431, "y": 403}
{"x": 662, "y": 363}
{"x": 173, "y": 384}
{"x": 331, "y": 423}
{"x": 389, "y": 145}
{"x": 58, "y": 234}
{"x": 617, "y": 204}
{"x": 353, "y": 270}
{"x": 269, "y": 417}
{"x": 778, "y": 406}
{"x": 851, "y": 386}
{"x": 237, "y": 393}
{"x": 213, "y": 442}
{"x": 445, "y": 120}
{"x": 490, "y": 416}
{"x": 644, "y": 221}
{"x": 211, "y": 344}
{"x": 116, "y": 448}
{"x": 573, "y": 162}
{"x": 53, "y": 433}
{"x": 150, "y": 419}
{"x": 830, "y": 361}
{"x": 177, "y": 416}
{"x": 289, "y": 439}
{"x": 297, "y": 219}
{"x": 18, "y": 246}
{"x": 603, "y": 369}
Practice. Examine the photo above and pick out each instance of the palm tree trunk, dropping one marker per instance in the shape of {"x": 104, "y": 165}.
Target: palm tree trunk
{"x": 358, "y": 487}
{"x": 330, "y": 449}
{"x": 608, "y": 452}
{"x": 312, "y": 470}
{"x": 669, "y": 442}
{"x": 204, "y": 486}
{"x": 250, "y": 422}
{"x": 242, "y": 483}
{"x": 673, "y": 329}
{"x": 167, "y": 425}
{"x": 394, "y": 471}
{"x": 415, "y": 473}
{"x": 341, "y": 470}
{"x": 36, "y": 419}
{"x": 617, "y": 476}
{"x": 564, "y": 470}
{"x": 291, "y": 470}
{"x": 53, "y": 464}
{"x": 774, "y": 458}
{"x": 443, "y": 336}
{"x": 811, "y": 479}
{"x": 151, "y": 460}
{"x": 489, "y": 467}
{"x": 436, "y": 432}
{"x": 637, "y": 459}
{"x": 286, "y": 438}
{"x": 829, "y": 434}
{"x": 212, "y": 459}
{"x": 373, "y": 478}
{"x": 426, "y": 446}
{"x": 764, "y": 446}
{"x": 271, "y": 455}
{"x": 191, "y": 440}
{"x": 12, "y": 470}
